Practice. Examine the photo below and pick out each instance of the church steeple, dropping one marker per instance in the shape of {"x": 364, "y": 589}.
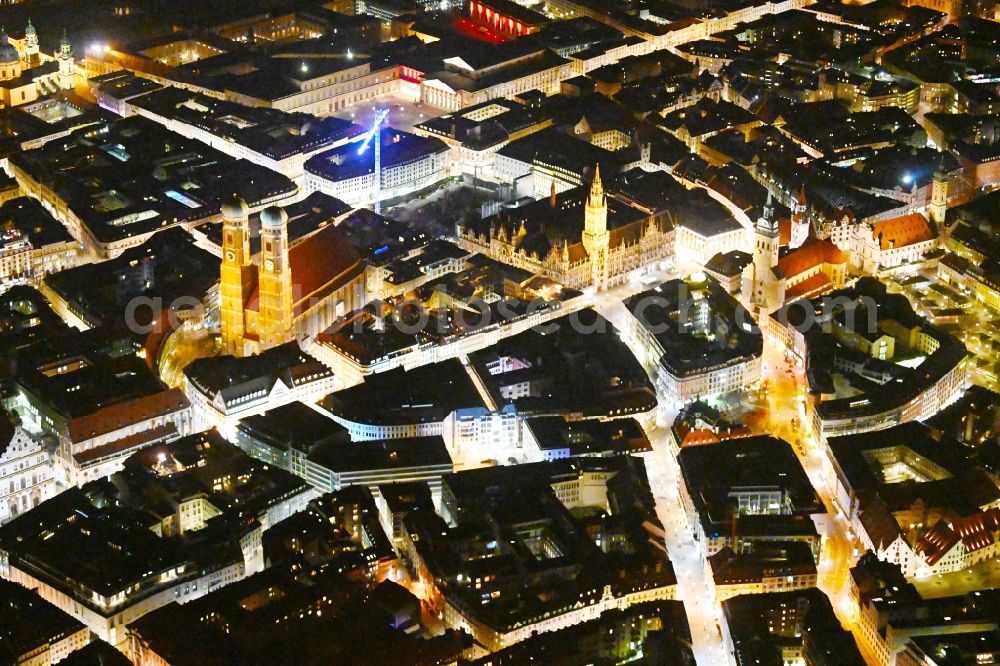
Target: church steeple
{"x": 767, "y": 223}
{"x": 938, "y": 207}
{"x": 275, "y": 281}
{"x": 759, "y": 284}
{"x": 800, "y": 224}
{"x": 30, "y": 44}
{"x": 234, "y": 274}
{"x": 596, "y": 239}
{"x": 596, "y": 197}
{"x": 67, "y": 73}
{"x": 597, "y": 206}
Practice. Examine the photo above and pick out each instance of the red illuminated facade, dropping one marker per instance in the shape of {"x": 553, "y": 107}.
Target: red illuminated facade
{"x": 503, "y": 20}
{"x": 410, "y": 74}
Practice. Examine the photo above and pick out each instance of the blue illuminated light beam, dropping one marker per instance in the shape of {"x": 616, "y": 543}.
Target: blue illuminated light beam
{"x": 375, "y": 133}
{"x": 380, "y": 116}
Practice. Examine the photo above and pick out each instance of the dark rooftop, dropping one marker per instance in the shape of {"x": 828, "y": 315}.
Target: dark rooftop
{"x": 534, "y": 583}
{"x": 578, "y": 364}
{"x": 99, "y": 538}
{"x": 25, "y": 218}
{"x": 590, "y": 436}
{"x": 29, "y": 623}
{"x": 132, "y": 176}
{"x": 292, "y": 426}
{"x": 270, "y": 132}
{"x": 712, "y": 472}
{"x": 762, "y": 626}
{"x": 343, "y": 456}
{"x": 398, "y": 149}
{"x": 168, "y": 266}
{"x": 699, "y": 326}
{"x": 234, "y": 377}
{"x": 422, "y": 395}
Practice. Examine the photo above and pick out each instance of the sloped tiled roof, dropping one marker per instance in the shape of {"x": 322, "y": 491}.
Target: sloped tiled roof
{"x": 811, "y": 286}
{"x": 936, "y": 543}
{"x": 902, "y": 231}
{"x": 810, "y": 254}
{"x": 320, "y": 264}
{"x": 878, "y": 522}
{"x": 784, "y": 230}
{"x": 699, "y": 436}
{"x": 121, "y": 415}
{"x": 977, "y": 530}
{"x": 135, "y": 441}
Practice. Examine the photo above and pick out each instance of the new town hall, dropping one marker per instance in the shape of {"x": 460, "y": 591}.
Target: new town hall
{"x": 546, "y": 237}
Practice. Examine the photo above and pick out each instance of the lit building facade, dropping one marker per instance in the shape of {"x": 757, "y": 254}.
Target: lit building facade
{"x": 811, "y": 267}
{"x": 327, "y": 89}
{"x": 898, "y": 241}
{"x": 464, "y": 83}
{"x": 485, "y": 601}
{"x": 409, "y": 163}
{"x": 224, "y": 389}
{"x": 160, "y": 567}
{"x": 95, "y": 446}
{"x": 26, "y": 74}
{"x": 290, "y": 293}
{"x": 600, "y": 253}
{"x": 505, "y": 17}
{"x": 32, "y": 243}
{"x": 26, "y": 476}
{"x": 683, "y": 315}
{"x": 278, "y": 140}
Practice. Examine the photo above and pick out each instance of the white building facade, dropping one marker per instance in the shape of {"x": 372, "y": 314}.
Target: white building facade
{"x": 26, "y": 475}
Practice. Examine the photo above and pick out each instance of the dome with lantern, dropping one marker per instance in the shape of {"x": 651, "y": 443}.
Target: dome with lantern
{"x": 235, "y": 208}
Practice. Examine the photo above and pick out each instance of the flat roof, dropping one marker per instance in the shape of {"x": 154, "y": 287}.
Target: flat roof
{"x": 270, "y": 132}
{"x": 295, "y": 425}
{"x": 399, "y": 148}
{"x": 712, "y": 472}
{"x": 26, "y": 218}
{"x": 29, "y": 622}
{"x": 668, "y": 312}
{"x": 132, "y": 176}
{"x": 421, "y": 395}
{"x": 384, "y": 456}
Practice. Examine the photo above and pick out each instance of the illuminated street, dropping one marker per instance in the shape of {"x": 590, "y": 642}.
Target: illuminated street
{"x": 788, "y": 417}
{"x": 685, "y": 553}
{"x": 500, "y": 332}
